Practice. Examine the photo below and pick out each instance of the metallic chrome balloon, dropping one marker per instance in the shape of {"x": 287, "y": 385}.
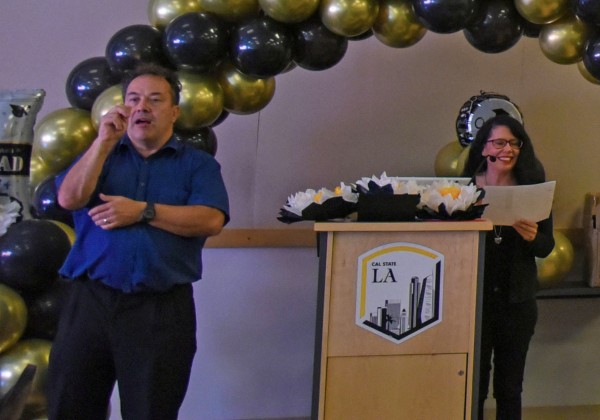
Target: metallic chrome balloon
{"x": 104, "y": 102}
{"x": 231, "y": 10}
{"x": 196, "y": 41}
{"x": 564, "y": 41}
{"x": 591, "y": 56}
{"x": 87, "y": 80}
{"x": 586, "y": 74}
{"x": 554, "y": 268}
{"x": 289, "y": 11}
{"x": 542, "y": 11}
{"x": 18, "y": 112}
{"x": 44, "y": 203}
{"x": 38, "y": 172}
{"x": 204, "y": 139}
{"x": 162, "y": 12}
{"x": 13, "y": 362}
{"x": 62, "y": 135}
{"x": 261, "y": 47}
{"x": 588, "y": 11}
{"x": 348, "y": 17}
{"x": 201, "y": 101}
{"x": 397, "y": 25}
{"x": 13, "y": 317}
{"x": 244, "y": 94}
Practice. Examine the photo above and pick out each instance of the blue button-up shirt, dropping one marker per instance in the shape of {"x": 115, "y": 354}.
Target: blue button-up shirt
{"x": 141, "y": 257}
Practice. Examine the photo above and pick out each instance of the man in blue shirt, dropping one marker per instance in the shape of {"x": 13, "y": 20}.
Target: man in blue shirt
{"x": 144, "y": 203}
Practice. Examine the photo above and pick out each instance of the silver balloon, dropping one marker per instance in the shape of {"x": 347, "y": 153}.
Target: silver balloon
{"x": 18, "y": 111}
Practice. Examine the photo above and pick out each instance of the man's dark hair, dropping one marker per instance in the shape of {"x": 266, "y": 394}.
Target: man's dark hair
{"x": 153, "y": 70}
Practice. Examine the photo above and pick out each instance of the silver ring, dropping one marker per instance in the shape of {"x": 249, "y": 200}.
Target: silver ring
{"x": 104, "y": 221}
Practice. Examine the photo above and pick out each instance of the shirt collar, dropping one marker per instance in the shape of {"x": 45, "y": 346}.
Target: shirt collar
{"x": 174, "y": 143}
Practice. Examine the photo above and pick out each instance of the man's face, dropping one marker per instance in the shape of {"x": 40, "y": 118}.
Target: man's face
{"x": 152, "y": 110}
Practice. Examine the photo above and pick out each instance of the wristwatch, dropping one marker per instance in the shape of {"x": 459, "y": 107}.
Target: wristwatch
{"x": 148, "y": 213}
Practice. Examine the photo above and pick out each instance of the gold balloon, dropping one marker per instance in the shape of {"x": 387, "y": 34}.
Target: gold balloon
{"x": 62, "y": 135}
{"x": 104, "y": 102}
{"x": 13, "y": 362}
{"x": 13, "y": 317}
{"x": 564, "y": 41}
{"x": 397, "y": 25}
{"x": 553, "y": 269}
{"x": 67, "y": 229}
{"x": 446, "y": 160}
{"x": 201, "y": 100}
{"x": 289, "y": 11}
{"x": 348, "y": 17}
{"x": 244, "y": 94}
{"x": 231, "y": 10}
{"x": 39, "y": 171}
{"x": 586, "y": 74}
{"x": 542, "y": 11}
{"x": 162, "y": 12}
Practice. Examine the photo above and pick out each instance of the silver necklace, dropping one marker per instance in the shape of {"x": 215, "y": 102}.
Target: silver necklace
{"x": 498, "y": 235}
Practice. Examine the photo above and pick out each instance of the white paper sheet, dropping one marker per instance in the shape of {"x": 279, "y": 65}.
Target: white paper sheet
{"x": 507, "y": 204}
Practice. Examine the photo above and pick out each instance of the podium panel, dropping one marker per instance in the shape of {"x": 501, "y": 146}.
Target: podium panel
{"x": 367, "y": 365}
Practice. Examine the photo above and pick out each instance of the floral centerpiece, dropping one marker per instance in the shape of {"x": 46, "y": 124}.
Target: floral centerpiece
{"x": 449, "y": 200}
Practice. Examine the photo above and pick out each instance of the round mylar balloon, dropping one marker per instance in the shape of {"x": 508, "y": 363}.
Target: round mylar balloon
{"x": 554, "y": 268}
{"x": 104, "y": 102}
{"x": 133, "y": 45}
{"x": 446, "y": 160}
{"x": 13, "y": 317}
{"x": 201, "y": 101}
{"x": 496, "y": 27}
{"x": 231, "y": 10}
{"x": 43, "y": 310}
{"x": 244, "y": 94}
{"x": 204, "y": 139}
{"x": 31, "y": 252}
{"x": 162, "y": 12}
{"x": 586, "y": 74}
{"x": 14, "y": 361}
{"x": 261, "y": 47}
{"x": 196, "y": 41}
{"x": 396, "y": 24}
{"x": 564, "y": 41}
{"x": 445, "y": 16}
{"x": 220, "y": 118}
{"x": 348, "y": 17}
{"x": 87, "y": 80}
{"x": 289, "y": 11}
{"x": 316, "y": 47}
{"x": 62, "y": 135}
{"x": 542, "y": 11}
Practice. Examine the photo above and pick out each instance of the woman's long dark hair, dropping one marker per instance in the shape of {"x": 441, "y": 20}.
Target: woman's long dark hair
{"x": 527, "y": 170}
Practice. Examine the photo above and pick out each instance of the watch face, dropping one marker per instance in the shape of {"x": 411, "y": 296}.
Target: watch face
{"x": 149, "y": 212}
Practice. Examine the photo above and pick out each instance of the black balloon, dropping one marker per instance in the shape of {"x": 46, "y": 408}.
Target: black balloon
{"x": 365, "y": 35}
{"x": 203, "y": 139}
{"x": 43, "y": 310}
{"x": 31, "y": 252}
{"x": 261, "y": 47}
{"x": 87, "y": 80}
{"x": 530, "y": 29}
{"x": 445, "y": 16}
{"x": 45, "y": 203}
{"x": 496, "y": 28}
{"x": 222, "y": 116}
{"x": 591, "y": 57}
{"x": 196, "y": 41}
{"x": 316, "y": 47}
{"x": 588, "y": 11}
{"x": 133, "y": 45}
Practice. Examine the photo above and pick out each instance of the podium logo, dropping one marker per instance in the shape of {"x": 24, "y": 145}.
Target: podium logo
{"x": 399, "y": 290}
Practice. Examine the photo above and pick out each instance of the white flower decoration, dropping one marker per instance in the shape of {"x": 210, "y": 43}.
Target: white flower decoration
{"x": 452, "y": 194}
{"x": 10, "y": 211}
{"x": 296, "y": 203}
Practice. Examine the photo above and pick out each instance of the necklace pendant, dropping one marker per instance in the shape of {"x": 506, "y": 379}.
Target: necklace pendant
{"x": 498, "y": 239}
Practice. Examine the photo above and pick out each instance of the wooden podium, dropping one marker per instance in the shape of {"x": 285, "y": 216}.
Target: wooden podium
{"x": 377, "y": 374}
